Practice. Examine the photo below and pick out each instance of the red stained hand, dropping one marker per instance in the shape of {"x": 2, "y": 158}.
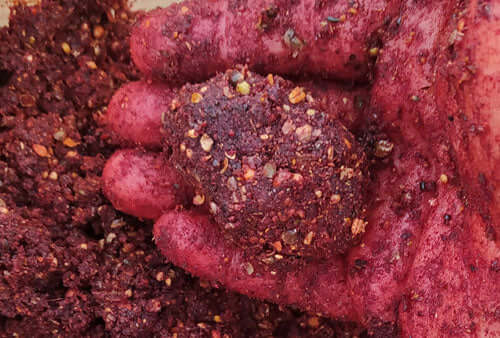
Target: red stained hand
{"x": 374, "y": 203}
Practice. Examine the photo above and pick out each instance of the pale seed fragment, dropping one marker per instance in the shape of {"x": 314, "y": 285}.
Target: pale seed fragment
{"x": 198, "y": 199}
{"x": 40, "y": 150}
{"x": 69, "y": 142}
{"x": 297, "y": 95}
{"x": 243, "y": 88}
{"x": 304, "y": 133}
{"x": 206, "y": 142}
{"x": 443, "y": 178}
{"x": 309, "y": 237}
{"x": 248, "y": 267}
{"x": 196, "y": 98}
{"x": 335, "y": 199}
{"x": 358, "y": 226}
{"x": 66, "y": 47}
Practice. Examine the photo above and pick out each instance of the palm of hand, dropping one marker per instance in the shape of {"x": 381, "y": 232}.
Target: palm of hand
{"x": 430, "y": 240}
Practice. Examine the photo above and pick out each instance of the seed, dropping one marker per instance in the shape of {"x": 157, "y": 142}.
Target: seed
{"x": 196, "y": 97}
{"x": 330, "y": 153}
{"x": 68, "y": 142}
{"x": 189, "y": 153}
{"x": 297, "y": 95}
{"x": 304, "y": 133}
{"x": 270, "y": 79}
{"x": 313, "y": 322}
{"x": 318, "y": 193}
{"x": 309, "y": 237}
{"x": 110, "y": 237}
{"x": 53, "y": 176}
{"x": 269, "y": 169}
{"x": 243, "y": 88}
{"x": 66, "y": 47}
{"x": 443, "y": 178}
{"x": 373, "y": 51}
{"x": 217, "y": 319}
{"x": 98, "y": 32}
{"x": 232, "y": 184}
{"x": 335, "y": 199}
{"x": 84, "y": 246}
{"x": 231, "y": 154}
{"x": 298, "y": 178}
{"x": 213, "y": 208}
{"x": 277, "y": 246}
{"x": 206, "y": 142}
{"x": 288, "y": 127}
{"x": 227, "y": 92}
{"x": 198, "y": 199}
{"x": 311, "y": 112}
{"x": 293, "y": 42}
{"x": 59, "y": 135}
{"x": 248, "y": 268}
{"x": 159, "y": 276}
{"x": 91, "y": 65}
{"x": 40, "y": 150}
{"x": 128, "y": 293}
{"x": 358, "y": 226}
{"x": 346, "y": 173}
{"x": 248, "y": 173}
{"x": 117, "y": 223}
{"x": 225, "y": 165}
{"x": 27, "y": 101}
{"x": 236, "y": 77}
{"x": 383, "y": 148}
{"x": 348, "y": 143}
{"x": 290, "y": 237}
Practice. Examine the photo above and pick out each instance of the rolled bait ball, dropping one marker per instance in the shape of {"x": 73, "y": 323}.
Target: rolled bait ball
{"x": 282, "y": 176}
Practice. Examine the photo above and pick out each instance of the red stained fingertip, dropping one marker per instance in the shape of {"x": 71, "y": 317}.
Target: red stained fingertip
{"x": 142, "y": 184}
{"x": 134, "y": 113}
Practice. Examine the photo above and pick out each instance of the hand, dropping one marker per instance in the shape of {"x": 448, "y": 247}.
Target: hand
{"x": 428, "y": 260}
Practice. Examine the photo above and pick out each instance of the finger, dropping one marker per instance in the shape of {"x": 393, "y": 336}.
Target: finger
{"x": 142, "y": 184}
{"x": 190, "y": 241}
{"x": 191, "y": 41}
{"x": 471, "y": 99}
{"x": 134, "y": 113}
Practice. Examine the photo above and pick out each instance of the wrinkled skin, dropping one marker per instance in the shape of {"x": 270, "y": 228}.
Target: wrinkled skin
{"x": 429, "y": 262}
